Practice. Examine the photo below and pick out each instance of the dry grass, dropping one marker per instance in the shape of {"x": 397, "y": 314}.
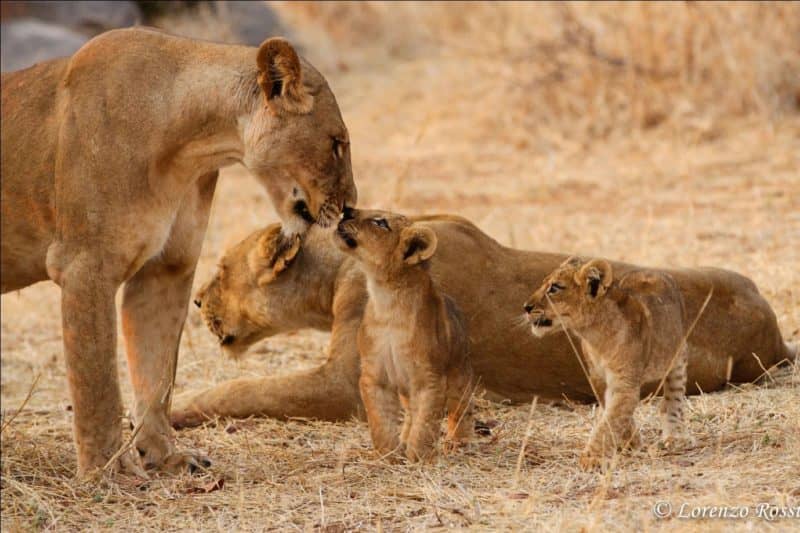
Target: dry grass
{"x": 633, "y": 149}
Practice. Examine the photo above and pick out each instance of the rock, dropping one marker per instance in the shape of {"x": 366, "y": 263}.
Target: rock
{"x": 24, "y": 42}
{"x": 251, "y": 22}
{"x": 89, "y": 18}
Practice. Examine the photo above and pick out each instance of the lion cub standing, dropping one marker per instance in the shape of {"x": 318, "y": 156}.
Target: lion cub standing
{"x": 412, "y": 340}
{"x": 631, "y": 332}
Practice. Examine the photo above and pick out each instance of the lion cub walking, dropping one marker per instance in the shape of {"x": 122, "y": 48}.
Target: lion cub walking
{"x": 413, "y": 341}
{"x": 631, "y": 332}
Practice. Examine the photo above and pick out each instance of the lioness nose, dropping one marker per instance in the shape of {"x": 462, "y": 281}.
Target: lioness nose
{"x": 528, "y": 308}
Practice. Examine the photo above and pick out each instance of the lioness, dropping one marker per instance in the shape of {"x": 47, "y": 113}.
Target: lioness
{"x": 256, "y": 294}
{"x": 109, "y": 163}
{"x": 631, "y": 329}
{"x": 412, "y": 339}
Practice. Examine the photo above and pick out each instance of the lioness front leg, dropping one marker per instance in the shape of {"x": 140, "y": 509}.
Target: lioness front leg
{"x": 88, "y": 314}
{"x": 153, "y": 313}
{"x": 615, "y": 429}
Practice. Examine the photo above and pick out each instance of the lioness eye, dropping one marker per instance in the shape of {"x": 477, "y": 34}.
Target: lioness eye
{"x": 554, "y": 288}
{"x": 381, "y": 223}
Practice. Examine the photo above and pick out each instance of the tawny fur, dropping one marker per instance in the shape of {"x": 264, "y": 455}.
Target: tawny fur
{"x": 109, "y": 164}
{"x": 412, "y": 339}
{"x": 324, "y": 289}
{"x": 631, "y": 331}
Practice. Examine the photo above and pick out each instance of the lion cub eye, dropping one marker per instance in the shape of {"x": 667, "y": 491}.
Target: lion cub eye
{"x": 554, "y": 288}
{"x": 338, "y": 148}
{"x": 381, "y": 223}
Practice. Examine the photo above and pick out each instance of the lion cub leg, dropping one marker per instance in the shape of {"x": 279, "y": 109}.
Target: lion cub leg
{"x": 426, "y": 404}
{"x": 406, "y": 420}
{"x": 616, "y": 429}
{"x": 382, "y": 404}
{"x": 673, "y": 429}
{"x": 459, "y": 408}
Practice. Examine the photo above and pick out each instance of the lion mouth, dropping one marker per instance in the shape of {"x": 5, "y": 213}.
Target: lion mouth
{"x": 542, "y": 322}
{"x": 345, "y": 235}
{"x": 347, "y": 238}
{"x": 301, "y": 209}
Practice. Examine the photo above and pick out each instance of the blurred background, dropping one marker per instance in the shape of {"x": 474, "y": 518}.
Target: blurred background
{"x": 657, "y": 133}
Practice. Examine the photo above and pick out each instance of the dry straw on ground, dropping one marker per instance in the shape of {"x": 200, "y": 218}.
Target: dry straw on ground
{"x": 663, "y": 134}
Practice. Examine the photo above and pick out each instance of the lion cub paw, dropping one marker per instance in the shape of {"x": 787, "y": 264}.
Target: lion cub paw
{"x": 451, "y": 446}
{"x": 590, "y": 461}
{"x": 677, "y": 441}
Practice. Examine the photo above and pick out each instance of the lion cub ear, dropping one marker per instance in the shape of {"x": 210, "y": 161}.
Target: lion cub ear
{"x": 418, "y": 244}
{"x": 596, "y": 277}
{"x": 272, "y": 254}
{"x": 280, "y": 77}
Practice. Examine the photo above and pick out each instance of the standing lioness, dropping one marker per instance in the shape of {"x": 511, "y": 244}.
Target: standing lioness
{"x": 412, "y": 340}
{"x": 109, "y": 163}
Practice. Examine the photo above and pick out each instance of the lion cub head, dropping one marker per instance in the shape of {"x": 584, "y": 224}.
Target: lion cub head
{"x": 295, "y": 140}
{"x": 234, "y": 303}
{"x": 384, "y": 243}
{"x": 568, "y": 295}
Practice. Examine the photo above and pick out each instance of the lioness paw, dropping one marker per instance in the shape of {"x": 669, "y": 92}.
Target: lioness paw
{"x": 127, "y": 464}
{"x": 187, "y": 461}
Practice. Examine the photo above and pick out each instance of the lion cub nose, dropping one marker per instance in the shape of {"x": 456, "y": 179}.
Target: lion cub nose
{"x": 528, "y": 308}
{"x": 198, "y": 303}
{"x": 348, "y": 213}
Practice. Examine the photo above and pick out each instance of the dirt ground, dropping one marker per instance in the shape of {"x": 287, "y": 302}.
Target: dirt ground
{"x": 719, "y": 189}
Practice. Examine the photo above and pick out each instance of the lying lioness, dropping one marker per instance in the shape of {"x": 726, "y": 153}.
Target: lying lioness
{"x": 412, "y": 340}
{"x": 631, "y": 329}
{"x": 258, "y": 293}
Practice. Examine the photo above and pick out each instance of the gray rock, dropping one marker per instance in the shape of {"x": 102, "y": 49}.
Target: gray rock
{"x": 24, "y": 42}
{"x": 251, "y": 22}
{"x": 87, "y": 17}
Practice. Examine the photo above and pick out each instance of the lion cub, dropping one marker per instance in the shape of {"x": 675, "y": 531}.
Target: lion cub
{"x": 631, "y": 331}
{"x": 413, "y": 341}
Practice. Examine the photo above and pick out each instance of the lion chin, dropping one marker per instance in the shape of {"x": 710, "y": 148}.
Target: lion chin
{"x": 234, "y": 351}
{"x": 540, "y": 331}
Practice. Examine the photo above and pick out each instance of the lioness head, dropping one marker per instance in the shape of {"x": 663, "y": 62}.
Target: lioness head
{"x": 296, "y": 141}
{"x": 248, "y": 298}
{"x": 384, "y": 243}
{"x": 568, "y": 294}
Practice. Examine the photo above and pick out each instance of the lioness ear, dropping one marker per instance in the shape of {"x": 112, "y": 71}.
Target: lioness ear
{"x": 418, "y": 244}
{"x": 596, "y": 277}
{"x": 280, "y": 77}
{"x": 272, "y": 255}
